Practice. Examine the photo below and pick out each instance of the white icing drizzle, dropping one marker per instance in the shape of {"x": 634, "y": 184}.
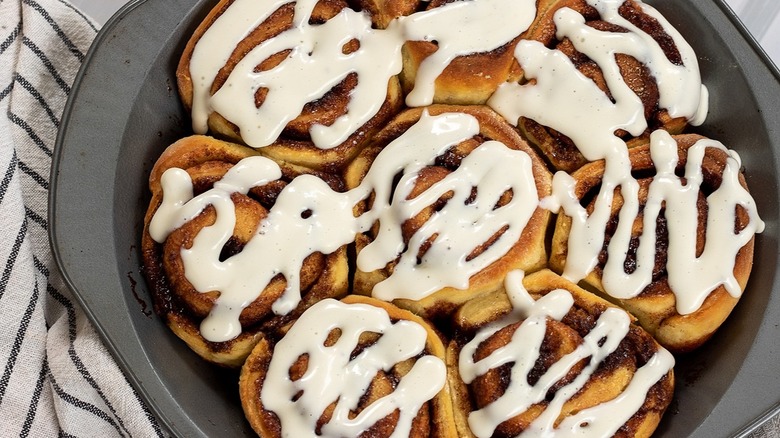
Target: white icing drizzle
{"x": 315, "y": 65}
{"x": 178, "y": 205}
{"x": 215, "y": 46}
{"x": 522, "y": 352}
{"x": 566, "y": 100}
{"x": 310, "y": 217}
{"x": 680, "y": 87}
{"x": 281, "y": 244}
{"x": 333, "y": 377}
{"x": 560, "y": 97}
{"x": 691, "y": 278}
{"x": 316, "y": 62}
{"x": 463, "y": 28}
{"x": 445, "y": 264}
{"x": 682, "y": 91}
{"x": 600, "y": 420}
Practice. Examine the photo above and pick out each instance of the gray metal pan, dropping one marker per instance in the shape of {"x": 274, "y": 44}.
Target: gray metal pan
{"x": 124, "y": 110}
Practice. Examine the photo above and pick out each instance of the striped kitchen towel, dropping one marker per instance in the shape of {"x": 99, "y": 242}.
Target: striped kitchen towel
{"x": 56, "y": 377}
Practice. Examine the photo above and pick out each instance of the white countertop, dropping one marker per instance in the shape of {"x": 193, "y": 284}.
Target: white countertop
{"x": 762, "y": 18}
{"x": 99, "y": 10}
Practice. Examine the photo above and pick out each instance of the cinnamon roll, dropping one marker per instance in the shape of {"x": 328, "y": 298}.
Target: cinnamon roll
{"x": 361, "y": 367}
{"x": 670, "y": 238}
{"x": 543, "y": 356}
{"x": 451, "y": 204}
{"x": 223, "y": 258}
{"x": 595, "y": 70}
{"x": 300, "y": 81}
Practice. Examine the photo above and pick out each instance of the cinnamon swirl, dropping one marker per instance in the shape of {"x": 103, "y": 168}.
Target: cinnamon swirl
{"x": 595, "y": 70}
{"x": 361, "y": 367}
{"x": 671, "y": 240}
{"x": 547, "y": 358}
{"x": 451, "y": 198}
{"x": 220, "y": 257}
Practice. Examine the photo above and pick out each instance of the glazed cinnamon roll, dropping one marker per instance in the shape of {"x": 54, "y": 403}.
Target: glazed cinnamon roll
{"x": 361, "y": 367}
{"x": 451, "y": 204}
{"x": 595, "y": 70}
{"x": 305, "y": 82}
{"x": 221, "y": 253}
{"x": 670, "y": 238}
{"x": 542, "y": 357}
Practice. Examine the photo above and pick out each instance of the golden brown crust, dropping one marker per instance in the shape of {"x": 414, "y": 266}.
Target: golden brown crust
{"x": 529, "y": 253}
{"x": 382, "y": 12}
{"x": 434, "y": 419}
{"x": 177, "y": 301}
{"x": 561, "y": 338}
{"x": 656, "y": 305}
{"x": 294, "y": 144}
{"x": 468, "y": 79}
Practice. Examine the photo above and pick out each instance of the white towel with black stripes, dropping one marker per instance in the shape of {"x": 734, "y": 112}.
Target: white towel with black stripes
{"x": 56, "y": 377}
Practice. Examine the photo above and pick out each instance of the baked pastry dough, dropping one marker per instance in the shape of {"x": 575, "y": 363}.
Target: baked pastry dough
{"x": 361, "y": 367}
{"x": 275, "y": 87}
{"x": 678, "y": 253}
{"x": 451, "y": 57}
{"x": 200, "y": 244}
{"x": 548, "y": 357}
{"x": 467, "y": 207}
{"x": 412, "y": 155}
{"x": 592, "y": 71}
